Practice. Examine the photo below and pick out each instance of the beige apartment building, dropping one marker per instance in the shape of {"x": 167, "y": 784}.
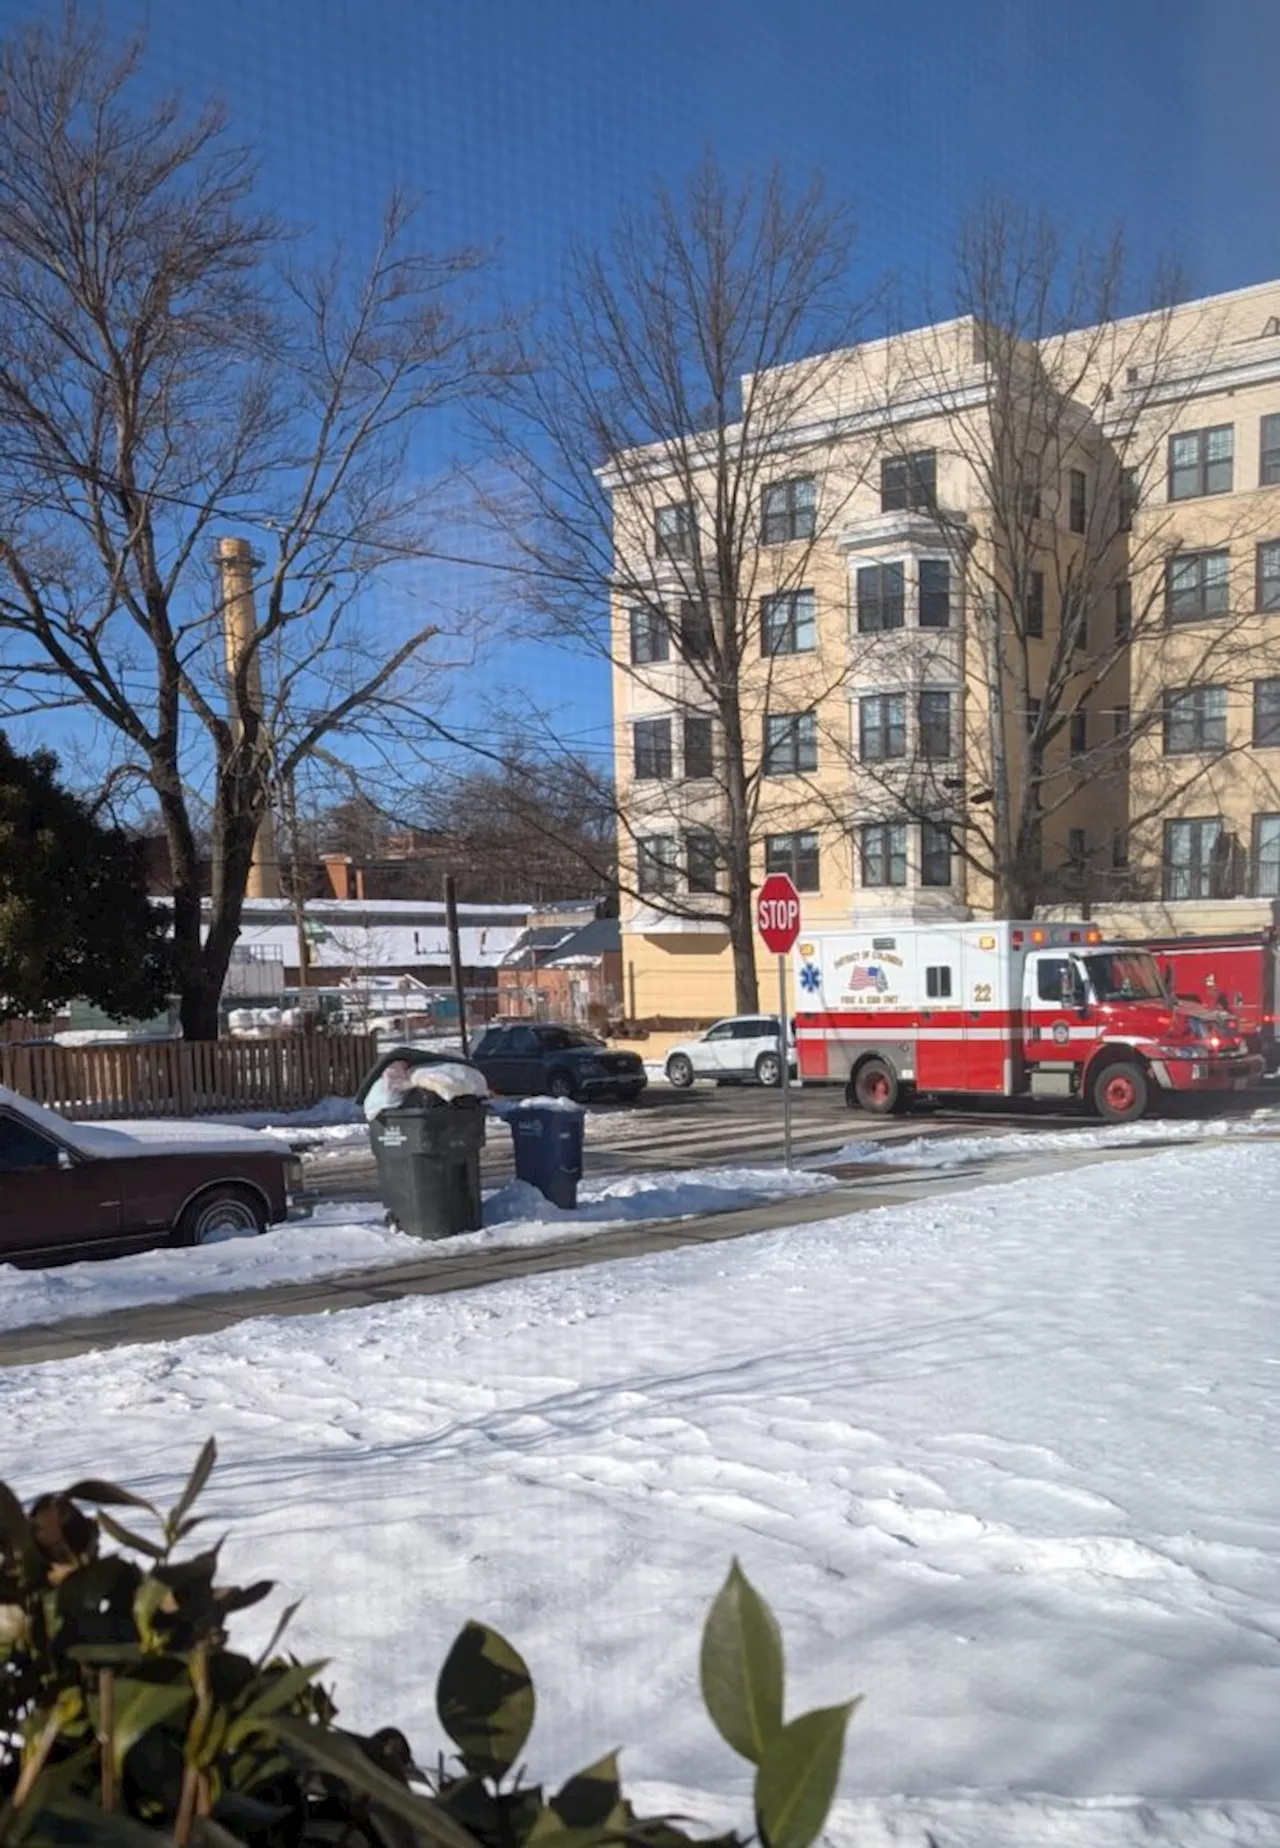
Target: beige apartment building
{"x": 999, "y": 607}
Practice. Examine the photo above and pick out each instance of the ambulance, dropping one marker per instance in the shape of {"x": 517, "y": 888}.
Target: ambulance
{"x": 892, "y": 1011}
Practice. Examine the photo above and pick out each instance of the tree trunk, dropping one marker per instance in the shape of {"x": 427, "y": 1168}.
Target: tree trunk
{"x": 746, "y": 996}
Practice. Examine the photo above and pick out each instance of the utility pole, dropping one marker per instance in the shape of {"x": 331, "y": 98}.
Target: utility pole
{"x": 455, "y": 956}
{"x": 236, "y": 566}
{"x": 297, "y": 894}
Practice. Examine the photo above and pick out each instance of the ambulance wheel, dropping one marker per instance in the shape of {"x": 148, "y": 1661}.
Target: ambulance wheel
{"x": 875, "y": 1088}
{"x": 1120, "y": 1093}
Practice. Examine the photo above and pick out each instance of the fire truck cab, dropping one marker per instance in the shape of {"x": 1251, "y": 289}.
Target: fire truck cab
{"x": 1005, "y": 1010}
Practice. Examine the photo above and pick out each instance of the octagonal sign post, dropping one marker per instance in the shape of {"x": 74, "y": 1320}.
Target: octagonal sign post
{"x": 778, "y": 922}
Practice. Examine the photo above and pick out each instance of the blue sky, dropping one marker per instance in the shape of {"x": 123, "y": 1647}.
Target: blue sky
{"x": 527, "y": 122}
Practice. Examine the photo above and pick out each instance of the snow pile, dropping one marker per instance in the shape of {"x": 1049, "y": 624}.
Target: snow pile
{"x": 1003, "y": 1462}
{"x": 518, "y": 1214}
{"x": 337, "y": 1239}
{"x": 943, "y": 1151}
{"x": 330, "y": 1113}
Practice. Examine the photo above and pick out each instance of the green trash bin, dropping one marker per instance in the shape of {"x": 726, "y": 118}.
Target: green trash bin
{"x": 428, "y": 1155}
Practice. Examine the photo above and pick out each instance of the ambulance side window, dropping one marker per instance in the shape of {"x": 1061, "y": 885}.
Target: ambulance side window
{"x": 937, "y": 982}
{"x": 1056, "y": 981}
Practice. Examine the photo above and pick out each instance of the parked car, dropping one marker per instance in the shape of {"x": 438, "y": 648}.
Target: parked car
{"x": 529, "y": 1059}
{"x": 79, "y": 1190}
{"x": 735, "y": 1051}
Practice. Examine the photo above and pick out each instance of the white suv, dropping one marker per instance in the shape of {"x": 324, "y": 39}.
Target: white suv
{"x": 734, "y": 1051}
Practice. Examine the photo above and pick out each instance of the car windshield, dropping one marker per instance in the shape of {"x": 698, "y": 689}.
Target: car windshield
{"x": 1125, "y": 976}
{"x": 561, "y": 1037}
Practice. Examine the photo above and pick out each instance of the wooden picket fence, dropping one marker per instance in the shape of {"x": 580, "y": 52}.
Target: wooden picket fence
{"x": 188, "y": 1078}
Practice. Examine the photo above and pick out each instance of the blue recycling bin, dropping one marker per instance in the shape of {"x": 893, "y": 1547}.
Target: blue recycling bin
{"x": 548, "y": 1149}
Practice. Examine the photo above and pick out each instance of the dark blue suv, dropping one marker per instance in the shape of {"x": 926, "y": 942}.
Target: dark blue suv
{"x": 530, "y": 1059}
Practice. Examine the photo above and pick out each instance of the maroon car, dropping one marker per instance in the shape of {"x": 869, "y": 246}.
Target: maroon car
{"x": 78, "y": 1190}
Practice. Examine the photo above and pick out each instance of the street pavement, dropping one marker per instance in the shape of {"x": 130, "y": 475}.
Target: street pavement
{"x": 706, "y": 1127}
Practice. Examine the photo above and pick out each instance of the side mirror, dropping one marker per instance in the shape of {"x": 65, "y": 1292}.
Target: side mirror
{"x": 64, "y": 1160}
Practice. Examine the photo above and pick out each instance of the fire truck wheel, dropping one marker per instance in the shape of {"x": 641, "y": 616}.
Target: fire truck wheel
{"x": 875, "y": 1088}
{"x": 1120, "y": 1093}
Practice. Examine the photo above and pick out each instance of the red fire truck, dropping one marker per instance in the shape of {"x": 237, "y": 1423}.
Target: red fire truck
{"x": 1234, "y": 975}
{"x": 1009, "y": 1010}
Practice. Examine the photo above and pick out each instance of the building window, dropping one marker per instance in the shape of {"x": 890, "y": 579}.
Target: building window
{"x": 652, "y": 741}
{"x": 699, "y": 749}
{"x": 1033, "y": 604}
{"x": 1124, "y": 611}
{"x": 934, "y": 714}
{"x": 935, "y": 593}
{"x": 1198, "y": 584}
{"x": 937, "y": 982}
{"x": 1079, "y": 732}
{"x": 935, "y": 853}
{"x": 696, "y": 639}
{"x": 880, "y": 598}
{"x": 650, "y": 636}
{"x": 1266, "y": 856}
{"x": 909, "y": 484}
{"x": 1129, "y": 496}
{"x": 1269, "y": 450}
{"x": 1077, "y": 848}
{"x": 676, "y": 530}
{"x": 1029, "y": 500}
{"x": 1195, "y": 719}
{"x": 790, "y": 743}
{"x": 884, "y": 853}
{"x": 702, "y": 862}
{"x": 658, "y": 864}
{"x": 796, "y": 855}
{"x": 1190, "y": 852}
{"x": 1269, "y": 575}
{"x": 1077, "y": 500}
{"x": 1200, "y": 462}
{"x": 1032, "y": 715}
{"x": 787, "y": 510}
{"x": 1120, "y": 720}
{"x": 1119, "y": 850}
{"x": 882, "y": 727}
{"x": 1266, "y": 712}
{"x": 787, "y": 623}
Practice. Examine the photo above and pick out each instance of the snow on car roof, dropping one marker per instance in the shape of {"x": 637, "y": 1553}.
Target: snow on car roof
{"x": 156, "y": 1136}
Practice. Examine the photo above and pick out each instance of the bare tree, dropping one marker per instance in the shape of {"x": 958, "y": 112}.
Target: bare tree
{"x": 672, "y": 484}
{"x": 1054, "y": 404}
{"x": 163, "y": 379}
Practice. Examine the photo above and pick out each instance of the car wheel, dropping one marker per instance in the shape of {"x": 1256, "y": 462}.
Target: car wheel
{"x": 560, "y": 1084}
{"x": 221, "y": 1212}
{"x": 1120, "y": 1093}
{"x": 875, "y": 1088}
{"x": 680, "y": 1071}
{"x": 768, "y": 1069}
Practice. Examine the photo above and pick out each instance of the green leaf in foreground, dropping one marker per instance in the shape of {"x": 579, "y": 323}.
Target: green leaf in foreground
{"x": 742, "y": 1668}
{"x": 798, "y": 1775}
{"x": 485, "y": 1700}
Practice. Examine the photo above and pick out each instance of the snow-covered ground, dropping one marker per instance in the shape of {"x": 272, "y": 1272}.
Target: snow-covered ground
{"x": 353, "y": 1238}
{"x": 1004, "y": 1462}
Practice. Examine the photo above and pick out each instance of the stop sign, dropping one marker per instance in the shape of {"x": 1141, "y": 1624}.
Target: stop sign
{"x": 778, "y": 913}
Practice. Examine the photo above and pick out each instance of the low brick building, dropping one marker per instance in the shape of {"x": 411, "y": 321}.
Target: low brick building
{"x": 566, "y": 971}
